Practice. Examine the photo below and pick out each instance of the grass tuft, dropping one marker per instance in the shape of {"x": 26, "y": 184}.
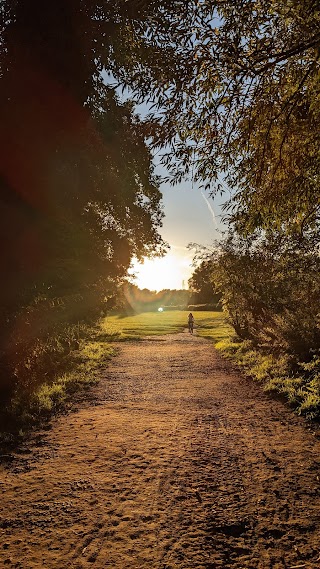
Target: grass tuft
{"x": 27, "y": 407}
{"x": 301, "y": 389}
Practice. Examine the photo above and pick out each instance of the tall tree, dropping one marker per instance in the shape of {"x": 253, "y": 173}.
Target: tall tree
{"x": 79, "y": 197}
{"x": 71, "y": 154}
{"x": 245, "y": 102}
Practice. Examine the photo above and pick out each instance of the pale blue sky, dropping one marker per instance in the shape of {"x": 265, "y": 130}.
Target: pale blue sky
{"x": 191, "y": 215}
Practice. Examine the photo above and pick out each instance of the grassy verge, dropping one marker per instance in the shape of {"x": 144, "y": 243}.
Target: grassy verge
{"x": 300, "y": 388}
{"x": 33, "y": 404}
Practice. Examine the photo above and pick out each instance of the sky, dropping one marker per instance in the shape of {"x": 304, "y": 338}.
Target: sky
{"x": 191, "y": 216}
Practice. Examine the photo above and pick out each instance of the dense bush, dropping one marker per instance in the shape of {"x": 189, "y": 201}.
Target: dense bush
{"x": 270, "y": 287}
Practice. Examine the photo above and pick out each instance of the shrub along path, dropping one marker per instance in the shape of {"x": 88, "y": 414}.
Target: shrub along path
{"x": 173, "y": 461}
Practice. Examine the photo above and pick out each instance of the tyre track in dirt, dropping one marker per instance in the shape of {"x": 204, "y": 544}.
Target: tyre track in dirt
{"x": 174, "y": 461}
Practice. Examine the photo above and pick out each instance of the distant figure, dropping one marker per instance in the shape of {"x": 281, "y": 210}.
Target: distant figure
{"x": 190, "y": 322}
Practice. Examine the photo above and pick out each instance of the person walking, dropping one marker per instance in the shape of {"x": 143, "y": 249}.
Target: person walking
{"x": 190, "y": 322}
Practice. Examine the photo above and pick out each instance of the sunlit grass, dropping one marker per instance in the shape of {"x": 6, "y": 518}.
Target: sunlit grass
{"x": 207, "y": 324}
{"x": 144, "y": 324}
{"x": 83, "y": 371}
{"x": 214, "y": 326}
{"x": 274, "y": 372}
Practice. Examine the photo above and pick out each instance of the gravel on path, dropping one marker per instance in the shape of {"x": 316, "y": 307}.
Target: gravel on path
{"x": 173, "y": 461}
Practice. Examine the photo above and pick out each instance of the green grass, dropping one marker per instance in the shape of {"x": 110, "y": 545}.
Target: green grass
{"x": 213, "y": 325}
{"x": 85, "y": 362}
{"x": 207, "y": 324}
{"x": 274, "y": 371}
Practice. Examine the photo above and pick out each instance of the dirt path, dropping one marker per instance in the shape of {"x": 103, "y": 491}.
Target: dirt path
{"x": 173, "y": 462}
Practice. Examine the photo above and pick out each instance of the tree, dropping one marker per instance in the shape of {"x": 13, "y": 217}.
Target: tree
{"x": 234, "y": 85}
{"x": 270, "y": 288}
{"x": 245, "y": 102}
{"x": 78, "y": 193}
{"x": 202, "y": 284}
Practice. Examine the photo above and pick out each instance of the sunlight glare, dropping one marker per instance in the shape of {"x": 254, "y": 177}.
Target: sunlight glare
{"x": 169, "y": 272}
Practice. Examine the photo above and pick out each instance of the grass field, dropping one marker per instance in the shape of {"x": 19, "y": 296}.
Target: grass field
{"x": 207, "y": 324}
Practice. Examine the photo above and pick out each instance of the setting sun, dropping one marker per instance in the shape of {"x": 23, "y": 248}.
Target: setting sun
{"x": 169, "y": 272}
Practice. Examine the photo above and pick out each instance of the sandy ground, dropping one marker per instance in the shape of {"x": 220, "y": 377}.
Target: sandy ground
{"x": 172, "y": 462}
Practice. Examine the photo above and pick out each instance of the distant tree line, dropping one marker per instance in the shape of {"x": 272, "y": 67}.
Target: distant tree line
{"x": 131, "y": 300}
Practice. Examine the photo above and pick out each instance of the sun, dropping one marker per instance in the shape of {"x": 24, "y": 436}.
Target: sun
{"x": 169, "y": 272}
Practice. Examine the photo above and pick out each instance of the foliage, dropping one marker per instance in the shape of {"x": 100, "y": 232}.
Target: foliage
{"x": 79, "y": 197}
{"x": 202, "y": 285}
{"x": 270, "y": 288}
{"x": 245, "y": 102}
{"x": 235, "y": 86}
{"x": 254, "y": 79}
{"x": 37, "y": 399}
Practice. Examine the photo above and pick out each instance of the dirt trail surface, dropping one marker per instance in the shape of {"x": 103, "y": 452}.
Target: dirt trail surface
{"x": 172, "y": 462}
